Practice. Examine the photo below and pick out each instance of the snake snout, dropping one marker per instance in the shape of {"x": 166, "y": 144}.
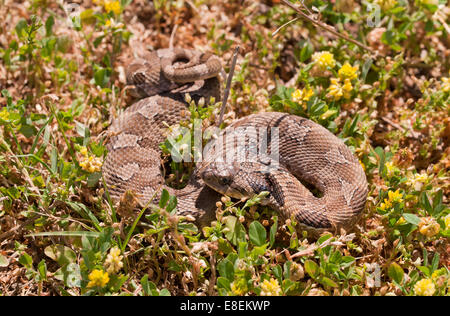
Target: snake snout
{"x": 220, "y": 177}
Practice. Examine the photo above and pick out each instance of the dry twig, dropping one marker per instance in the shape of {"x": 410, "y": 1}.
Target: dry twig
{"x": 328, "y": 28}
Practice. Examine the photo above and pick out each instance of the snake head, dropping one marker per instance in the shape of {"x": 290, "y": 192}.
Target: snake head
{"x": 239, "y": 180}
{"x": 220, "y": 176}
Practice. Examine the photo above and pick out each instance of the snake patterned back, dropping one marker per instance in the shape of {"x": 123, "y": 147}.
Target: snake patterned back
{"x": 307, "y": 153}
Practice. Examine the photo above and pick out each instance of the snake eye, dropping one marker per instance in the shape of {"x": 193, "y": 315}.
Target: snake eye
{"x": 224, "y": 180}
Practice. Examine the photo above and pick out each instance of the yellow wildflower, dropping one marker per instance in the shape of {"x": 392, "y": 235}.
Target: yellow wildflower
{"x": 401, "y": 221}
{"x": 90, "y": 163}
{"x": 390, "y": 168}
{"x": 386, "y": 5}
{"x": 437, "y": 273}
{"x": 386, "y": 205}
{"x": 113, "y": 6}
{"x": 337, "y": 90}
{"x": 111, "y": 23}
{"x": 348, "y": 72}
{"x": 424, "y": 287}
{"x": 302, "y": 96}
{"x": 83, "y": 151}
{"x": 445, "y": 84}
{"x": 113, "y": 262}
{"x": 239, "y": 287}
{"x": 324, "y": 59}
{"x": 428, "y": 226}
{"x": 270, "y": 288}
{"x": 4, "y": 114}
{"x": 395, "y": 196}
{"x": 417, "y": 180}
{"x": 98, "y": 278}
{"x": 447, "y": 222}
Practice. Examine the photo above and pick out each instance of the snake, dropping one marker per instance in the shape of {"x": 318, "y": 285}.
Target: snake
{"x": 292, "y": 164}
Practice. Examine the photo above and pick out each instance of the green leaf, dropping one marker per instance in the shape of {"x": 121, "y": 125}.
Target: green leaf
{"x": 26, "y": 260}
{"x": 435, "y": 262}
{"x": 93, "y": 179}
{"x": 101, "y": 77}
{"x": 328, "y": 282}
{"x": 49, "y": 25}
{"x": 236, "y": 231}
{"x": 365, "y": 69}
{"x": 164, "y": 292}
{"x": 172, "y": 203}
{"x": 311, "y": 268}
{"x": 306, "y": 51}
{"x": 148, "y": 287}
{"x": 257, "y": 233}
{"x": 4, "y": 262}
{"x": 223, "y": 283}
{"x": 226, "y": 269}
{"x": 42, "y": 268}
{"x": 61, "y": 254}
{"x": 396, "y": 272}
{"x": 411, "y": 218}
{"x": 425, "y": 201}
{"x": 424, "y": 270}
{"x": 225, "y": 246}
{"x": 164, "y": 198}
{"x": 273, "y": 231}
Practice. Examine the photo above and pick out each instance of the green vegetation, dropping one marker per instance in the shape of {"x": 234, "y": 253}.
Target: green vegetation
{"x": 62, "y": 81}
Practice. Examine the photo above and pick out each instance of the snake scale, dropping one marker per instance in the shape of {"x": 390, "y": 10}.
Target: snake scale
{"x": 306, "y": 153}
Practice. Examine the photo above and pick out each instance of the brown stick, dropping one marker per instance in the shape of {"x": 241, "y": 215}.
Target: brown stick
{"x": 328, "y": 28}
{"x": 228, "y": 87}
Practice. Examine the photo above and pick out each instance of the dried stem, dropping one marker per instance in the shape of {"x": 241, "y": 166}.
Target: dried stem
{"x": 228, "y": 87}
{"x": 328, "y": 28}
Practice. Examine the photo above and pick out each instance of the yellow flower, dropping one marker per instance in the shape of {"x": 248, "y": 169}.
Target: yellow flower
{"x": 445, "y": 84}
{"x": 347, "y": 88}
{"x": 270, "y": 288}
{"x": 437, "y": 273}
{"x": 424, "y": 287}
{"x": 90, "y": 163}
{"x": 324, "y": 59}
{"x": 98, "y": 278}
{"x": 348, "y": 72}
{"x": 4, "y": 114}
{"x": 336, "y": 90}
{"x": 386, "y": 205}
{"x": 447, "y": 222}
{"x": 418, "y": 180}
{"x": 113, "y": 6}
{"x": 302, "y": 96}
{"x": 386, "y": 5}
{"x": 390, "y": 168}
{"x": 83, "y": 151}
{"x": 239, "y": 287}
{"x": 113, "y": 262}
{"x": 401, "y": 221}
{"x": 428, "y": 226}
{"x": 395, "y": 196}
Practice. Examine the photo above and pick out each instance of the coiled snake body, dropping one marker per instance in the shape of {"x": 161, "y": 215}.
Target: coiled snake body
{"x": 305, "y": 150}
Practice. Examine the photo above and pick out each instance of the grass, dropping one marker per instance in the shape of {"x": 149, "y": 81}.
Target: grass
{"x": 62, "y": 81}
